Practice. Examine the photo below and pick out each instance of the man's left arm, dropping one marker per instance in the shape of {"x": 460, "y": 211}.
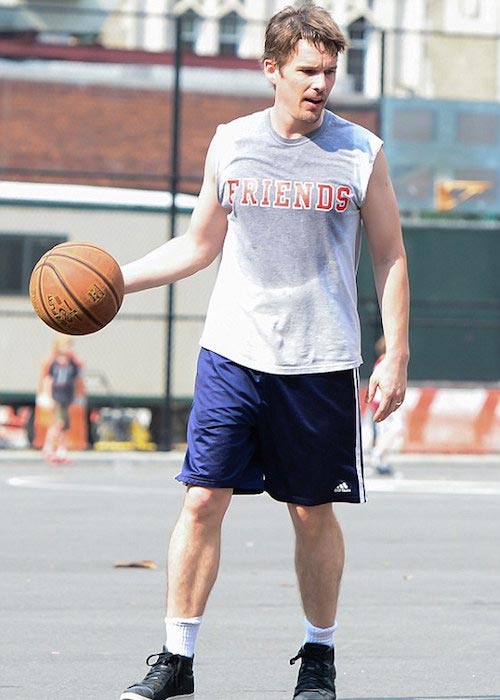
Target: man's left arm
{"x": 383, "y": 230}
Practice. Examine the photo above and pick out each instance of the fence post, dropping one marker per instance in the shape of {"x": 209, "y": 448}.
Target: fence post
{"x": 382, "y": 62}
{"x": 165, "y": 437}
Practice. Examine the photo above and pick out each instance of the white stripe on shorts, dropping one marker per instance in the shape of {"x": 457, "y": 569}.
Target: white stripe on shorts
{"x": 359, "y": 458}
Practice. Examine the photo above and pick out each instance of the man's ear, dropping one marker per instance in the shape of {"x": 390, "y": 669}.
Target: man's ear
{"x": 271, "y": 70}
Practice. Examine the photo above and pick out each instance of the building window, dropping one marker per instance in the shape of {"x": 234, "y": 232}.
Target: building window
{"x": 356, "y": 54}
{"x": 190, "y": 28}
{"x": 19, "y": 253}
{"x": 478, "y": 128}
{"x": 414, "y": 125}
{"x": 230, "y": 28}
{"x": 470, "y": 8}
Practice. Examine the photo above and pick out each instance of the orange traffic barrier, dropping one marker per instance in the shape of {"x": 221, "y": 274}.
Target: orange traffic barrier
{"x": 455, "y": 419}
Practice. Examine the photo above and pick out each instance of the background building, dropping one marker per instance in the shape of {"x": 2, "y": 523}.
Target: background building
{"x": 427, "y": 48}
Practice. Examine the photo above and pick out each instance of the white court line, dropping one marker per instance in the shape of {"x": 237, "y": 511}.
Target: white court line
{"x": 432, "y": 697}
{"x": 381, "y": 485}
{"x": 41, "y": 482}
{"x": 434, "y": 486}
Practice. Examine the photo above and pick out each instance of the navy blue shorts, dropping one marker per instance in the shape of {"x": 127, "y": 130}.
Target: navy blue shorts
{"x": 298, "y": 437}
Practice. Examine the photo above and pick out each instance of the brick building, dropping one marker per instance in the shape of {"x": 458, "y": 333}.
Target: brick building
{"x": 109, "y": 123}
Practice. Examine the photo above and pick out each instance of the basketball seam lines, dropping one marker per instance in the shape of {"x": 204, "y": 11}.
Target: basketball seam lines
{"x": 75, "y": 300}
{"x": 42, "y": 300}
{"x": 95, "y": 271}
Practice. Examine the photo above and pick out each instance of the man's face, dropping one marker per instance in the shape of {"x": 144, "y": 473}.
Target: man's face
{"x": 303, "y": 85}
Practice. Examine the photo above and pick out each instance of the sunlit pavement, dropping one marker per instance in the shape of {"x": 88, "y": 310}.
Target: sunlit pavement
{"x": 420, "y": 605}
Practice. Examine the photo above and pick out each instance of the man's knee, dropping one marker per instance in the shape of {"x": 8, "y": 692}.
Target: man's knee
{"x": 205, "y": 505}
{"x": 310, "y": 521}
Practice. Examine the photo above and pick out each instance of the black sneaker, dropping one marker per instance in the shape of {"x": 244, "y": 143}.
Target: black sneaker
{"x": 316, "y": 679}
{"x": 170, "y": 676}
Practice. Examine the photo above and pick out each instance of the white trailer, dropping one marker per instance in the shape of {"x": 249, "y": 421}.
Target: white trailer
{"x": 128, "y": 358}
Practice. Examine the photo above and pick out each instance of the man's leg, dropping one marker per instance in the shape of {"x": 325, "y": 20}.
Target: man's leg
{"x": 194, "y": 552}
{"x": 193, "y": 563}
{"x": 319, "y": 562}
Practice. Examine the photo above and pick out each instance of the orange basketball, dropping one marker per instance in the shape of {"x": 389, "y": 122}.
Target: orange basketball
{"x": 76, "y": 288}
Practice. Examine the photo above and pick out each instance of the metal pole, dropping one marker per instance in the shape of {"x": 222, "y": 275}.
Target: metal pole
{"x": 377, "y": 323}
{"x": 165, "y": 441}
{"x": 382, "y": 62}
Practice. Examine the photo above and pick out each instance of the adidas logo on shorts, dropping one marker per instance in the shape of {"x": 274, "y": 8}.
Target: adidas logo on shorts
{"x": 342, "y": 488}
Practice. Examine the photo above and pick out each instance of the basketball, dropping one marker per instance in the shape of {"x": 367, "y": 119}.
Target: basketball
{"x": 76, "y": 288}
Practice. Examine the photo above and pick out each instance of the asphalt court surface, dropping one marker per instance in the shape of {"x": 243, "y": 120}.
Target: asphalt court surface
{"x": 419, "y": 615}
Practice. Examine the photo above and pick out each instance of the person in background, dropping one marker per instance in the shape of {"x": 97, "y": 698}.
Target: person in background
{"x": 63, "y": 370}
{"x": 388, "y": 434}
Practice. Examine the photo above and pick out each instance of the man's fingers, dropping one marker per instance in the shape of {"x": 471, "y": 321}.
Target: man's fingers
{"x": 387, "y": 406}
{"x": 372, "y": 388}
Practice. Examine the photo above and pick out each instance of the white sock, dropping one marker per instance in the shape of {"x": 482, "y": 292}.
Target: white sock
{"x": 319, "y": 635}
{"x": 181, "y": 634}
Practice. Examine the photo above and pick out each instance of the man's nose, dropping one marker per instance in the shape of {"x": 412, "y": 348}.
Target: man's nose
{"x": 319, "y": 83}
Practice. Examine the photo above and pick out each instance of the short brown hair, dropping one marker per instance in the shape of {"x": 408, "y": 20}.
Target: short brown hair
{"x": 308, "y": 21}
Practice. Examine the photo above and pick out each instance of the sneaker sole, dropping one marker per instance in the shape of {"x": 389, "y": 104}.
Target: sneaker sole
{"x": 134, "y": 696}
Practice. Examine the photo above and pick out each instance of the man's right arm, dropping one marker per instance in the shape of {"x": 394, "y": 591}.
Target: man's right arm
{"x": 184, "y": 255}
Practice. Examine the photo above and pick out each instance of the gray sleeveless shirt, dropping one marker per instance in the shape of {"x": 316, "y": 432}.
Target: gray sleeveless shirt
{"x": 285, "y": 299}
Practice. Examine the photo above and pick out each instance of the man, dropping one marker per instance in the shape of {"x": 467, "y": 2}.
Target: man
{"x": 275, "y": 405}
